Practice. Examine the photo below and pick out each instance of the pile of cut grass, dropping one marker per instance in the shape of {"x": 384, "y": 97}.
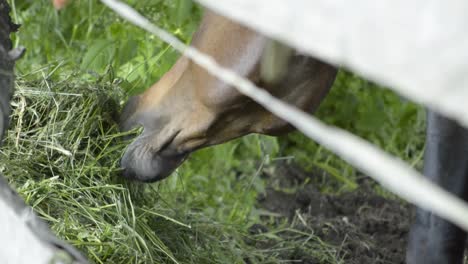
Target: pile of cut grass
{"x": 62, "y": 155}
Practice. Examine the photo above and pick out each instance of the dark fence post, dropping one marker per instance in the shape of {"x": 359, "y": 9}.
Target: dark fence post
{"x": 6, "y": 65}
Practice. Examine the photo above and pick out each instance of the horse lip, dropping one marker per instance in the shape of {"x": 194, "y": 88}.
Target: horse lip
{"x": 181, "y": 151}
{"x": 165, "y": 149}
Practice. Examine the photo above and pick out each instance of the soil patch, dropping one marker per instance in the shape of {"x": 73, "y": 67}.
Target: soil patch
{"x": 363, "y": 226}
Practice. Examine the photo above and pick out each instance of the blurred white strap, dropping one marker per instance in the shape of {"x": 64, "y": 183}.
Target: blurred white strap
{"x": 419, "y": 48}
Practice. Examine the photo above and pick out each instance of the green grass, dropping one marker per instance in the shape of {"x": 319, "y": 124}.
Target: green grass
{"x": 62, "y": 152}
{"x": 89, "y": 40}
{"x": 376, "y": 114}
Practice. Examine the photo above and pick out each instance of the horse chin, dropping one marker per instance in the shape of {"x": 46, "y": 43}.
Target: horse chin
{"x": 139, "y": 163}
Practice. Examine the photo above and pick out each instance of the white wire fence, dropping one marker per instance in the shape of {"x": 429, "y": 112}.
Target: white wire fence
{"x": 317, "y": 27}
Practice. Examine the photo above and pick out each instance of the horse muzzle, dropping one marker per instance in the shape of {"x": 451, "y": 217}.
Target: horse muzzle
{"x": 141, "y": 162}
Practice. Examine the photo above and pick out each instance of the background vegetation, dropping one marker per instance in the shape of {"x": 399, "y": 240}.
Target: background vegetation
{"x": 62, "y": 152}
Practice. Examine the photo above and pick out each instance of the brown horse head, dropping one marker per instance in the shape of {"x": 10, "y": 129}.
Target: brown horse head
{"x": 189, "y": 109}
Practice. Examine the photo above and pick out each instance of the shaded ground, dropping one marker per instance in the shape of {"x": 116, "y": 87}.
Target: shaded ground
{"x": 362, "y": 226}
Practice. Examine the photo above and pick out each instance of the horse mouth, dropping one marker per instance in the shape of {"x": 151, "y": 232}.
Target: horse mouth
{"x": 167, "y": 165}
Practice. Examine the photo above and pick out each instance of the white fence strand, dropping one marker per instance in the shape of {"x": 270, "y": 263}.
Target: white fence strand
{"x": 26, "y": 238}
{"x": 27, "y": 248}
{"x": 417, "y": 47}
{"x": 392, "y": 173}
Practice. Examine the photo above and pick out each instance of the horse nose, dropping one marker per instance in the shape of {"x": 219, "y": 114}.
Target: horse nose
{"x": 146, "y": 159}
{"x": 141, "y": 163}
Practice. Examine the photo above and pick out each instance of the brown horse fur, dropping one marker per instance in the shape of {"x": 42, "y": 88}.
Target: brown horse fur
{"x": 189, "y": 108}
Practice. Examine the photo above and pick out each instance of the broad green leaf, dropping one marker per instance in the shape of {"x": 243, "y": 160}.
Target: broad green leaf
{"x": 99, "y": 55}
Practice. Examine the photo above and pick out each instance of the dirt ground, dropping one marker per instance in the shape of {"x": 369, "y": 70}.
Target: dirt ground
{"x": 362, "y": 225}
